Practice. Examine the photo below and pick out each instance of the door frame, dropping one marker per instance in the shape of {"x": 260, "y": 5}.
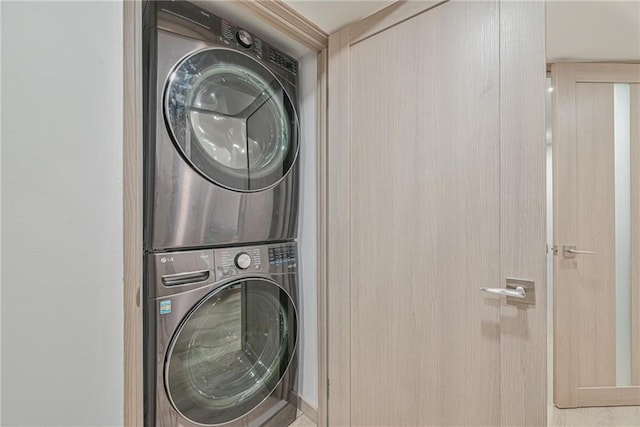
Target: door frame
{"x": 567, "y": 393}
{"x": 289, "y": 22}
{"x": 523, "y": 375}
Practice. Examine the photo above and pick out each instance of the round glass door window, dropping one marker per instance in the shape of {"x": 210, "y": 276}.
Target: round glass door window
{"x": 231, "y": 351}
{"x": 231, "y": 119}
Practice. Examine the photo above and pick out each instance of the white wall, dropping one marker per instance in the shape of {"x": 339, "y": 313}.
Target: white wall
{"x": 62, "y": 315}
{"x": 307, "y": 234}
{"x": 331, "y": 15}
{"x": 0, "y": 212}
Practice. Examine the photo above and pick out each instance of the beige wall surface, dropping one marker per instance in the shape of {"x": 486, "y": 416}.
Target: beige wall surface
{"x": 583, "y": 31}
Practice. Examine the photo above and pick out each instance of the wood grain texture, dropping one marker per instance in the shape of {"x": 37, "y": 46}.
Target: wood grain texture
{"x": 595, "y": 281}
{"x": 338, "y": 214}
{"x": 321, "y": 183}
{"x": 635, "y": 233}
{"x": 595, "y": 417}
{"x": 565, "y": 230}
{"x": 523, "y": 217}
{"x": 132, "y": 180}
{"x": 584, "y": 294}
{"x": 606, "y": 73}
{"x": 425, "y": 212}
{"x": 608, "y": 396}
{"x": 389, "y": 16}
{"x": 288, "y": 21}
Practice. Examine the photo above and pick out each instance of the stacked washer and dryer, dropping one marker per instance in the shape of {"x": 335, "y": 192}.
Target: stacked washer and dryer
{"x": 221, "y": 185}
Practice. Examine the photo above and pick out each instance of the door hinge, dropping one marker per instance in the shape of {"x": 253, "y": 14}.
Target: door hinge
{"x": 327, "y": 389}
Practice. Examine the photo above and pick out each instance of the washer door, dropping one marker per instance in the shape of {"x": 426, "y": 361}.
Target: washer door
{"x": 231, "y": 119}
{"x": 231, "y": 351}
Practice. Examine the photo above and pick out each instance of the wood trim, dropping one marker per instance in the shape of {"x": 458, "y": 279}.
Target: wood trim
{"x": 608, "y": 396}
{"x": 287, "y": 20}
{"x": 635, "y": 234}
{"x": 578, "y": 61}
{"x": 523, "y": 340}
{"x": 564, "y": 227}
{"x": 321, "y": 182}
{"x": 306, "y": 408}
{"x": 606, "y": 73}
{"x": 132, "y": 182}
{"x": 389, "y": 16}
{"x": 338, "y": 233}
{"x": 566, "y": 349}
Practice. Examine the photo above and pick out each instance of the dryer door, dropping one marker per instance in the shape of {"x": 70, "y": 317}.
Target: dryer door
{"x": 231, "y": 351}
{"x": 231, "y": 119}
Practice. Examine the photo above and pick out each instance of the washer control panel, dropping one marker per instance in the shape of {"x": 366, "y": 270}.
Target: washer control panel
{"x": 243, "y": 260}
{"x": 280, "y": 255}
{"x": 275, "y": 258}
{"x": 244, "y": 38}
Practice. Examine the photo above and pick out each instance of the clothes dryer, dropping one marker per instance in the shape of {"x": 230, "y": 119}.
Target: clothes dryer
{"x": 221, "y": 328}
{"x": 221, "y": 132}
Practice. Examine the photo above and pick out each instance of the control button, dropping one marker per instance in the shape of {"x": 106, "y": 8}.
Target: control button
{"x": 244, "y": 38}
{"x": 243, "y": 260}
{"x": 225, "y": 272}
{"x": 258, "y": 266}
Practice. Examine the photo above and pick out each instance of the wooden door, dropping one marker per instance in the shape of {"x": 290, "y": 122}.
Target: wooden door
{"x": 596, "y": 158}
{"x": 436, "y": 158}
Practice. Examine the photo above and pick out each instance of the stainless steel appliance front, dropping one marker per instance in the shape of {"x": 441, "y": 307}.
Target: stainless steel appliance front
{"x": 221, "y": 326}
{"x": 221, "y": 133}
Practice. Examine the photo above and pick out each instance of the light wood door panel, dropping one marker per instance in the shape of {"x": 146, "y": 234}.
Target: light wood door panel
{"x": 596, "y": 296}
{"x": 425, "y": 220}
{"x": 585, "y": 323}
{"x": 436, "y": 188}
{"x": 523, "y": 355}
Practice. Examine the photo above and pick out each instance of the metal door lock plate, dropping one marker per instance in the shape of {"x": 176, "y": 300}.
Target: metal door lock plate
{"x": 529, "y": 289}
{"x": 567, "y": 251}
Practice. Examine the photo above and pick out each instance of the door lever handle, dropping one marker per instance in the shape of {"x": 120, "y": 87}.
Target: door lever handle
{"x": 570, "y": 251}
{"x": 519, "y": 292}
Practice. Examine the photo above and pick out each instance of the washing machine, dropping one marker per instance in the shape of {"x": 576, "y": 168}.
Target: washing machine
{"x": 221, "y": 337}
{"x": 221, "y": 132}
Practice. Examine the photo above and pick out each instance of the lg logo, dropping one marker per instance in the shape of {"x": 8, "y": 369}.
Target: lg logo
{"x": 166, "y": 259}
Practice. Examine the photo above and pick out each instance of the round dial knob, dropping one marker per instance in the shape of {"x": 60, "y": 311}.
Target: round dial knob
{"x": 244, "y": 38}
{"x": 243, "y": 260}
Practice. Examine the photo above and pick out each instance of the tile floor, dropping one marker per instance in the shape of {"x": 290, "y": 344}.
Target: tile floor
{"x": 302, "y": 421}
{"x": 624, "y": 416}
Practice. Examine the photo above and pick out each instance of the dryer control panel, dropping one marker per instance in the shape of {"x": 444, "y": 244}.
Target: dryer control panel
{"x": 227, "y": 33}
{"x": 275, "y": 258}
